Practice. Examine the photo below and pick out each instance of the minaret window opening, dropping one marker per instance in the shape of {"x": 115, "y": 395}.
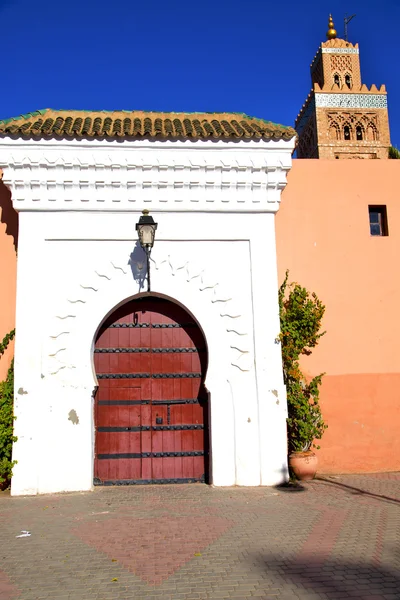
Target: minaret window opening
{"x": 346, "y": 133}
{"x": 336, "y": 79}
{"x": 347, "y": 80}
{"x": 359, "y": 133}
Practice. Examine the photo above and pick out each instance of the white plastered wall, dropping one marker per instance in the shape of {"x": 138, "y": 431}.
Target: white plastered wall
{"x": 78, "y": 259}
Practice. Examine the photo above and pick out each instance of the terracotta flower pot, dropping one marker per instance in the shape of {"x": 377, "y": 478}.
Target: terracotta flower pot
{"x": 303, "y": 464}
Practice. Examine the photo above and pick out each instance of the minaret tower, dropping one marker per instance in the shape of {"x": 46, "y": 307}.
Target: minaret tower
{"x": 341, "y": 117}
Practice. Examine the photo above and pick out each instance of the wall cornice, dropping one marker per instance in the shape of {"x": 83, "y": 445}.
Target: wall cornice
{"x": 125, "y": 176}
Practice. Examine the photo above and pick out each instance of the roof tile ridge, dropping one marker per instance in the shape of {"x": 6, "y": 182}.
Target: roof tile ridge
{"x": 25, "y": 116}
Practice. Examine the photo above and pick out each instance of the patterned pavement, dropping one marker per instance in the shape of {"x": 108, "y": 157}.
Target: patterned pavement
{"x": 334, "y": 538}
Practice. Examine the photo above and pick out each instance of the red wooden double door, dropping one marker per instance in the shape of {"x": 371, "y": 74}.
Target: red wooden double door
{"x": 151, "y": 414}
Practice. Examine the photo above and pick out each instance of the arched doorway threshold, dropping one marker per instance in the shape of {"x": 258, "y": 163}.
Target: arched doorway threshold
{"x": 151, "y": 407}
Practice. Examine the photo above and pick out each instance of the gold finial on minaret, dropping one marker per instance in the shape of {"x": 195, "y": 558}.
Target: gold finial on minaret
{"x": 331, "y": 33}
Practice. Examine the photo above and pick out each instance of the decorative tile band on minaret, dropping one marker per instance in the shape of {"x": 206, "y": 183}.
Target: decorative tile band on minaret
{"x": 351, "y": 100}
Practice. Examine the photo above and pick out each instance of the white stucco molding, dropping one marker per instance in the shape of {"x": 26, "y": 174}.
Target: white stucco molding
{"x": 110, "y": 285}
{"x": 104, "y": 176}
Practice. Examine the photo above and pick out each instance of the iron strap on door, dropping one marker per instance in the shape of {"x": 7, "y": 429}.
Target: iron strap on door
{"x": 97, "y": 481}
{"x": 117, "y": 455}
{"x": 144, "y": 402}
{"x": 150, "y": 428}
{"x": 146, "y": 350}
{"x": 148, "y": 375}
{"x": 151, "y": 325}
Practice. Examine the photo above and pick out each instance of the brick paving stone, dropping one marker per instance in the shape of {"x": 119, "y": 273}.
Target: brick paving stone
{"x": 338, "y": 538}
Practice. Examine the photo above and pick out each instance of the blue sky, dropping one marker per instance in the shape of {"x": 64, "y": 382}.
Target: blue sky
{"x": 249, "y": 56}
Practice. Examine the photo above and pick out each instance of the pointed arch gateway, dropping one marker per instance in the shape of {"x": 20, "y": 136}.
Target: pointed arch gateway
{"x": 80, "y": 320}
{"x": 151, "y": 406}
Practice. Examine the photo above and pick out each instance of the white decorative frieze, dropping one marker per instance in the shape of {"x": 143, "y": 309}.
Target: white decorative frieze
{"x": 351, "y": 100}
{"x": 98, "y": 180}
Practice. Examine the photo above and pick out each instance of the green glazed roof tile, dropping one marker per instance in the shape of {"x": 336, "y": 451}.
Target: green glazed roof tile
{"x": 130, "y": 124}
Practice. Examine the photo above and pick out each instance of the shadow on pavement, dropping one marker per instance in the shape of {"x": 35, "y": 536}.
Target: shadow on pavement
{"x": 291, "y": 487}
{"x": 334, "y": 579}
{"x": 358, "y": 492}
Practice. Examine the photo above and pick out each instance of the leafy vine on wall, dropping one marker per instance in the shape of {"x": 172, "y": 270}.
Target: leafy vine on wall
{"x": 7, "y": 417}
{"x": 301, "y": 314}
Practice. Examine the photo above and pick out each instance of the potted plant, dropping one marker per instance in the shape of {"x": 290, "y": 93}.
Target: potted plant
{"x": 301, "y": 314}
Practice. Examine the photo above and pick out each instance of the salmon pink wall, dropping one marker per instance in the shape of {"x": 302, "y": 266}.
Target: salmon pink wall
{"x": 323, "y": 238}
{"x": 8, "y": 270}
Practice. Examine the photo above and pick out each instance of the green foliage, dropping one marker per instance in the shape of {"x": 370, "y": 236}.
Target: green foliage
{"x": 301, "y": 315}
{"x": 394, "y": 152}
{"x": 6, "y": 417}
{"x": 6, "y": 340}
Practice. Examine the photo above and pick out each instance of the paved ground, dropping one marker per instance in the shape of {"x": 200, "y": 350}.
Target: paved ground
{"x": 332, "y": 539}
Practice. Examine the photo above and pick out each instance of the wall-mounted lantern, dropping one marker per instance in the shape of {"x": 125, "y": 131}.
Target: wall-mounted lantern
{"x": 146, "y": 228}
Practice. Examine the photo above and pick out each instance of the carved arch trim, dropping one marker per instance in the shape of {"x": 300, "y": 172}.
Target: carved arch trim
{"x": 334, "y": 131}
{"x": 69, "y": 346}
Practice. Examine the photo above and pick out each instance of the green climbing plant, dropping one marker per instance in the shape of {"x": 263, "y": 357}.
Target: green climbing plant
{"x": 6, "y": 340}
{"x": 394, "y": 152}
{"x": 301, "y": 314}
{"x": 6, "y": 417}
